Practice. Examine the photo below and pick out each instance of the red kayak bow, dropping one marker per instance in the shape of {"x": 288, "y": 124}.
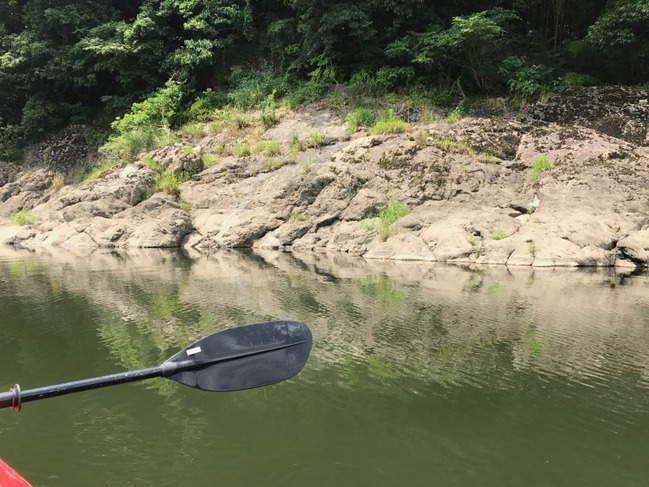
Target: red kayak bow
{"x": 10, "y": 478}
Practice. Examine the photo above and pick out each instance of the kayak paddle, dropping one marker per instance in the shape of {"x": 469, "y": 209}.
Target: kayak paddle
{"x": 238, "y": 358}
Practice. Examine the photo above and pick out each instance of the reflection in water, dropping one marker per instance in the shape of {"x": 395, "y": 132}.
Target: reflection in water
{"x": 420, "y": 374}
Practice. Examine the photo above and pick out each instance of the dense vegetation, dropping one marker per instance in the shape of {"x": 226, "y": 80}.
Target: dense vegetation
{"x": 88, "y": 61}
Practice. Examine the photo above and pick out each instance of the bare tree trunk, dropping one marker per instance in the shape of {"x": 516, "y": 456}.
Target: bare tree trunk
{"x": 558, "y": 13}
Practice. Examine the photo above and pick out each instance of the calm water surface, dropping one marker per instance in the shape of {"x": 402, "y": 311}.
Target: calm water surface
{"x": 420, "y": 375}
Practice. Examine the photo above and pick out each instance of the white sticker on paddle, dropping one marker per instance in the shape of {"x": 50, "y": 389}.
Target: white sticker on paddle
{"x": 193, "y": 351}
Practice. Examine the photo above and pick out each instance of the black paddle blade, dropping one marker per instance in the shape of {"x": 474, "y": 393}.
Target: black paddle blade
{"x": 244, "y": 357}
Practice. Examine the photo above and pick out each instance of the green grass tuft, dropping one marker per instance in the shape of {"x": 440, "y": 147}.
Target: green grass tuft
{"x": 387, "y": 216}
{"x": 168, "y": 182}
{"x": 389, "y": 122}
{"x": 498, "y": 235}
{"x": 210, "y": 160}
{"x": 540, "y": 165}
{"x": 242, "y": 150}
{"x": 361, "y": 117}
{"x": 23, "y": 217}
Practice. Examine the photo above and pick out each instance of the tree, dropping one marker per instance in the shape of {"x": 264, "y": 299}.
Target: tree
{"x": 470, "y": 48}
{"x": 622, "y": 32}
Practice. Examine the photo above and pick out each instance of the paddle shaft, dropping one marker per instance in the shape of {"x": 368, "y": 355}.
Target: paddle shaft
{"x": 14, "y": 398}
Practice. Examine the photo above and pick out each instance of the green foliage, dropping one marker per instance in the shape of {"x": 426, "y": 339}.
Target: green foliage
{"x": 571, "y": 79}
{"x": 388, "y": 122}
{"x": 273, "y": 164}
{"x": 23, "y": 217}
{"x": 210, "y": 160}
{"x": 306, "y": 167}
{"x": 498, "y": 235}
{"x": 524, "y": 79}
{"x": 251, "y": 89}
{"x": 127, "y": 146}
{"x": 242, "y": 150}
{"x": 616, "y": 26}
{"x": 488, "y": 158}
{"x": 149, "y": 161}
{"x": 471, "y": 45}
{"x": 206, "y": 104}
{"x": 316, "y": 139}
{"x": 268, "y": 117}
{"x": 186, "y": 207}
{"x": 385, "y": 290}
{"x": 168, "y": 182}
{"x": 387, "y": 216}
{"x": 304, "y": 92}
{"x": 364, "y": 83}
{"x": 154, "y": 112}
{"x": 98, "y": 170}
{"x": 269, "y": 147}
{"x": 298, "y": 217}
{"x": 540, "y": 165}
{"x": 360, "y": 117}
{"x": 193, "y": 129}
{"x": 456, "y": 114}
{"x": 162, "y": 63}
{"x": 449, "y": 145}
{"x": 476, "y": 248}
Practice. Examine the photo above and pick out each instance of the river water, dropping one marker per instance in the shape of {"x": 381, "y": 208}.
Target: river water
{"x": 420, "y": 375}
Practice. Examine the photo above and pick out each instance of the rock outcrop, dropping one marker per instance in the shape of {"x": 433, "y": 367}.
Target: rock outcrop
{"x": 472, "y": 189}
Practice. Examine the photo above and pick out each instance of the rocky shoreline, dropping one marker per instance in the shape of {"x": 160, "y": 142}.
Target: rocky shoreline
{"x": 470, "y": 187}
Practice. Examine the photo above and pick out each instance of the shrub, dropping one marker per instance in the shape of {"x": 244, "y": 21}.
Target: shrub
{"x": 365, "y": 83}
{"x": 571, "y": 79}
{"x": 308, "y": 92}
{"x": 524, "y": 79}
{"x": 126, "y": 146}
{"x": 156, "y": 111}
{"x": 23, "y": 217}
{"x": 389, "y": 122}
{"x": 206, "y": 105}
{"x": 268, "y": 117}
{"x": 252, "y": 88}
{"x": 361, "y": 117}
{"x": 193, "y": 129}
